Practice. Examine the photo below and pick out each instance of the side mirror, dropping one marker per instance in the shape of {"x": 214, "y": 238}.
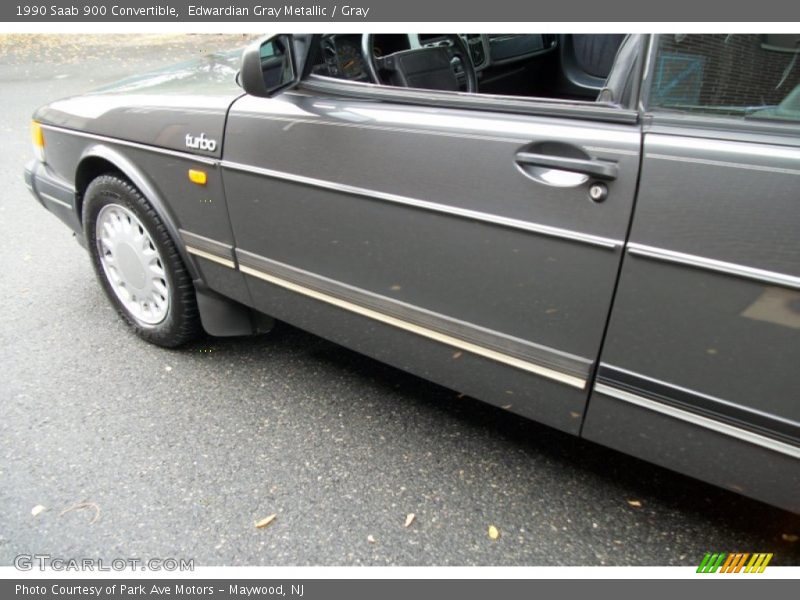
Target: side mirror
{"x": 268, "y": 66}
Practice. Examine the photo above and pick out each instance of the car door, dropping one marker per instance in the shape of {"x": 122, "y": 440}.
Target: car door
{"x": 699, "y": 368}
{"x": 452, "y": 236}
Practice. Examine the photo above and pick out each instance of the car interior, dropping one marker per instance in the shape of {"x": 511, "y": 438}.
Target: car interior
{"x": 566, "y": 66}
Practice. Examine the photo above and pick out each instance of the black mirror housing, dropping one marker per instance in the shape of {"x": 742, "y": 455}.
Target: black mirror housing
{"x": 269, "y": 67}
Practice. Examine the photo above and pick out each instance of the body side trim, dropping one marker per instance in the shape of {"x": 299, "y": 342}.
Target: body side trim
{"x": 55, "y": 200}
{"x": 109, "y": 140}
{"x": 699, "y": 420}
{"x": 566, "y": 234}
{"x": 292, "y": 121}
{"x": 209, "y": 249}
{"x": 534, "y": 106}
{"x": 711, "y": 264}
{"x": 694, "y": 401}
{"x": 547, "y": 362}
{"x": 209, "y": 256}
{"x": 722, "y": 163}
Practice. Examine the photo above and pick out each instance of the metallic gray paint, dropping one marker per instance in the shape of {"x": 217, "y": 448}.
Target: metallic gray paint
{"x": 52, "y": 193}
{"x": 162, "y": 176}
{"x": 158, "y": 108}
{"x": 414, "y": 198}
{"x": 723, "y": 336}
{"x": 128, "y": 144}
{"x": 210, "y": 249}
{"x": 548, "y": 362}
{"x": 769, "y": 443}
{"x": 504, "y": 386}
{"x": 693, "y": 449}
{"x": 733, "y": 200}
{"x": 475, "y": 271}
{"x": 708, "y": 301}
{"x": 472, "y": 215}
{"x": 426, "y": 207}
{"x": 701, "y": 262}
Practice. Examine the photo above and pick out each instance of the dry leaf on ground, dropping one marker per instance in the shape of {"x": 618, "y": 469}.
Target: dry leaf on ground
{"x": 409, "y": 519}
{"x": 81, "y": 506}
{"x": 494, "y": 532}
{"x": 265, "y": 521}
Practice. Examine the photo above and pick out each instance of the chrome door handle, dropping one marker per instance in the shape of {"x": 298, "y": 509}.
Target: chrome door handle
{"x": 600, "y": 169}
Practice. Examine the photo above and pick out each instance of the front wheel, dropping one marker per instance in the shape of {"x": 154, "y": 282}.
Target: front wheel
{"x": 138, "y": 264}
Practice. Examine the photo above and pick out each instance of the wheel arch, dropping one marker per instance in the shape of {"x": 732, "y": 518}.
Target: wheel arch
{"x": 100, "y": 159}
{"x": 219, "y": 315}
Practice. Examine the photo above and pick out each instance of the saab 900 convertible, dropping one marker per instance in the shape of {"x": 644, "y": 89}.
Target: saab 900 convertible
{"x": 599, "y": 232}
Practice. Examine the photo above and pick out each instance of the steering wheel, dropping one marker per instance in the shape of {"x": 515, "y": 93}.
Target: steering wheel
{"x": 428, "y": 67}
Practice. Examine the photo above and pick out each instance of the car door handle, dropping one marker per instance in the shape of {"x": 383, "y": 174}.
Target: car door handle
{"x": 600, "y": 169}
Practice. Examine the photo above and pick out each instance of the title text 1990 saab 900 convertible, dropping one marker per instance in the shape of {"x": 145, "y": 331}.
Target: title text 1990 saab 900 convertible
{"x": 599, "y": 232}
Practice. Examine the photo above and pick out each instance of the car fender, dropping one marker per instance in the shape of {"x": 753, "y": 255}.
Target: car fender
{"x": 131, "y": 170}
{"x": 219, "y": 315}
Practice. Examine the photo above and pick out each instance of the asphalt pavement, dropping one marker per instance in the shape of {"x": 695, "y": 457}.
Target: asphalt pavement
{"x": 137, "y": 451}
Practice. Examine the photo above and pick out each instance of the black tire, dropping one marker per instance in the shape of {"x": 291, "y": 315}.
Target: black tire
{"x": 182, "y": 322}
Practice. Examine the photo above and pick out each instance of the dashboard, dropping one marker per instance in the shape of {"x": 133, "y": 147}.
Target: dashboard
{"x": 342, "y": 56}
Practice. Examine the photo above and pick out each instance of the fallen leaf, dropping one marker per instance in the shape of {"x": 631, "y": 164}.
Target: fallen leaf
{"x": 370, "y": 539}
{"x": 81, "y": 506}
{"x": 265, "y": 521}
{"x": 635, "y": 503}
{"x": 494, "y": 532}
{"x": 409, "y": 519}
{"x": 789, "y": 537}
{"x": 37, "y": 510}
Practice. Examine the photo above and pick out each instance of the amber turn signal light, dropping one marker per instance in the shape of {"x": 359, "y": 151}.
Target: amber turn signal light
{"x": 37, "y": 137}
{"x": 198, "y": 177}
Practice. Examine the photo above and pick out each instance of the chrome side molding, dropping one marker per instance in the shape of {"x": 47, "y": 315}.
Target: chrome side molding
{"x": 453, "y": 211}
{"x": 546, "y": 362}
{"x": 209, "y": 249}
{"x": 710, "y": 264}
{"x": 699, "y": 409}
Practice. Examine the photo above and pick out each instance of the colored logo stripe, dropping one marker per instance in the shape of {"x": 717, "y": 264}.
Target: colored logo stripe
{"x": 734, "y": 562}
{"x": 758, "y": 563}
{"x": 711, "y": 562}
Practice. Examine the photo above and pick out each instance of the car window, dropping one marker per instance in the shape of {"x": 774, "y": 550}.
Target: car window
{"x": 744, "y": 76}
{"x": 543, "y": 66}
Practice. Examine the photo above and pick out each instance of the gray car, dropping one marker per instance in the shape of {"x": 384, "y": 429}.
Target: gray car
{"x": 598, "y": 232}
